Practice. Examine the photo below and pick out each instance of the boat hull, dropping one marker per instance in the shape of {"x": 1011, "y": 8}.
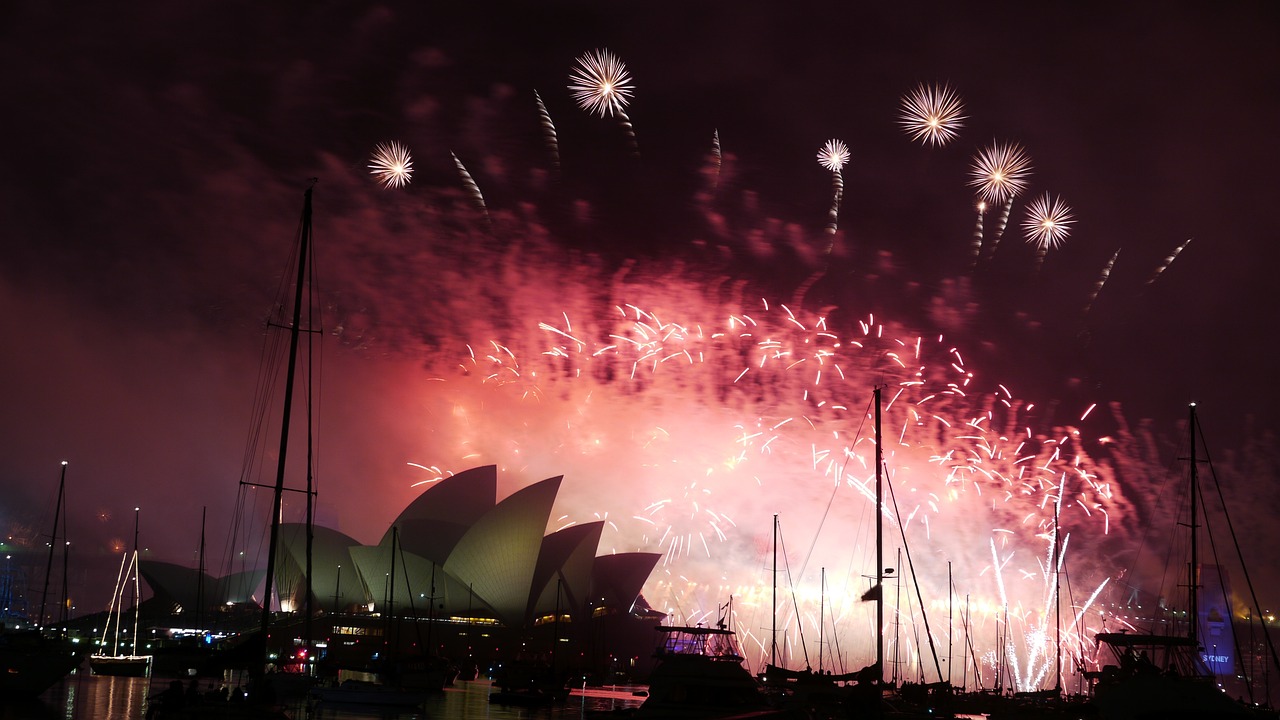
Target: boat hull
{"x": 26, "y": 670}
{"x": 121, "y": 666}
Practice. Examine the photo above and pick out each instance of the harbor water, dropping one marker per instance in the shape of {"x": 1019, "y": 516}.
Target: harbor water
{"x": 84, "y": 696}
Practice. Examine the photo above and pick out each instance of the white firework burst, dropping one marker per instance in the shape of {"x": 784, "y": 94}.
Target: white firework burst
{"x": 391, "y": 164}
{"x": 833, "y": 155}
{"x": 1000, "y": 172}
{"x": 932, "y": 114}
{"x": 1048, "y": 222}
{"x": 600, "y": 83}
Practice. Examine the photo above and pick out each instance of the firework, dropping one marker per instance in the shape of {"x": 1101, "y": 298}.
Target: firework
{"x": 600, "y": 83}
{"x": 1102, "y": 280}
{"x": 716, "y": 159}
{"x": 676, "y": 410}
{"x": 391, "y": 164}
{"x": 1047, "y": 225}
{"x": 751, "y": 404}
{"x": 549, "y": 133}
{"x": 1048, "y": 222}
{"x": 1000, "y": 172}
{"x": 1001, "y": 224}
{"x": 602, "y": 86}
{"x": 470, "y": 184}
{"x": 977, "y": 235}
{"x": 833, "y": 156}
{"x": 932, "y": 114}
{"x": 1169, "y": 261}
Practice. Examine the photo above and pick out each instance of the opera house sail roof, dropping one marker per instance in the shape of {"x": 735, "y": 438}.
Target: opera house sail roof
{"x": 458, "y": 548}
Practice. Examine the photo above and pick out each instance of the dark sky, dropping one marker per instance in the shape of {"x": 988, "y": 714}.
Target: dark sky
{"x": 155, "y": 158}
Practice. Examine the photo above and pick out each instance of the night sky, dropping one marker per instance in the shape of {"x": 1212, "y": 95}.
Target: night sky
{"x": 156, "y": 157}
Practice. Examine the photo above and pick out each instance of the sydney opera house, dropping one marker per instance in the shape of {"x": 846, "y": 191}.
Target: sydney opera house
{"x": 458, "y": 571}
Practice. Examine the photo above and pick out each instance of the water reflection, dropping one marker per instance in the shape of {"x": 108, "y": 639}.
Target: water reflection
{"x": 84, "y": 696}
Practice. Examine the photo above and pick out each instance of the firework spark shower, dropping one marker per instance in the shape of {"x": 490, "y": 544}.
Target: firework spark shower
{"x": 671, "y": 335}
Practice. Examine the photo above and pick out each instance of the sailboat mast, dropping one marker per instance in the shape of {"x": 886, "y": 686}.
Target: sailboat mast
{"x": 1193, "y": 619}
{"x": 65, "y": 614}
{"x": 822, "y": 606}
{"x": 200, "y": 574}
{"x": 1057, "y": 596}
{"x": 951, "y": 594}
{"x": 304, "y": 236}
{"x": 773, "y": 647}
{"x": 391, "y": 593}
{"x": 879, "y": 546}
{"x": 133, "y": 599}
{"x": 53, "y": 541}
{"x": 311, "y": 534}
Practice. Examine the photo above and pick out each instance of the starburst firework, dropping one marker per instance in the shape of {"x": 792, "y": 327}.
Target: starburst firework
{"x": 932, "y": 114}
{"x": 1047, "y": 225}
{"x": 600, "y": 83}
{"x": 833, "y": 156}
{"x": 1048, "y": 222}
{"x": 1000, "y": 172}
{"x": 391, "y": 164}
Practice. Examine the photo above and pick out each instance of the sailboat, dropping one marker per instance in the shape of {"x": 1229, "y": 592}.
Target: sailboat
{"x": 30, "y": 661}
{"x": 193, "y": 654}
{"x": 129, "y": 664}
{"x": 1167, "y": 675}
{"x": 804, "y": 692}
{"x": 398, "y": 687}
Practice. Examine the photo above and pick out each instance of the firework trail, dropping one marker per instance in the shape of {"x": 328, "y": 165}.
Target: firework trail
{"x": 1001, "y": 224}
{"x": 977, "y": 236}
{"x": 602, "y": 86}
{"x": 833, "y": 156}
{"x": 1169, "y": 261}
{"x": 716, "y": 159}
{"x": 391, "y": 165}
{"x": 548, "y": 134}
{"x": 932, "y": 114}
{"x": 1048, "y": 224}
{"x": 1102, "y": 280}
{"x": 470, "y": 184}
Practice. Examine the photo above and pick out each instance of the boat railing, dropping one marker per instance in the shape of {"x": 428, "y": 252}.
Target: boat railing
{"x": 716, "y": 643}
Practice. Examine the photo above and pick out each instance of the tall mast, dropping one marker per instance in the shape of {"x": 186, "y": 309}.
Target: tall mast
{"x": 951, "y": 594}
{"x": 773, "y": 647}
{"x": 1194, "y": 618}
{"x": 391, "y": 593}
{"x": 200, "y": 575}
{"x": 53, "y": 541}
{"x": 133, "y": 598}
{"x": 822, "y": 604}
{"x": 879, "y": 546}
{"x": 337, "y": 590}
{"x": 304, "y": 237}
{"x": 310, "y": 529}
{"x": 1057, "y": 595}
{"x": 65, "y": 614}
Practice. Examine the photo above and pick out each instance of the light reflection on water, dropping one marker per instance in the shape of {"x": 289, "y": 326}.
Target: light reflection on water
{"x": 84, "y": 696}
